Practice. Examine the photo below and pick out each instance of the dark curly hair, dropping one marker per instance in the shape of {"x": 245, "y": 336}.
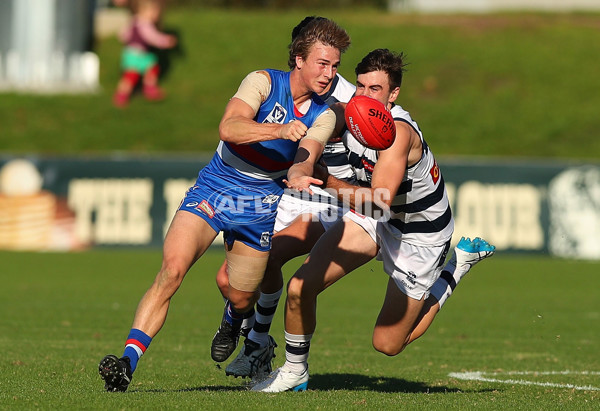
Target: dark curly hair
{"x": 383, "y": 60}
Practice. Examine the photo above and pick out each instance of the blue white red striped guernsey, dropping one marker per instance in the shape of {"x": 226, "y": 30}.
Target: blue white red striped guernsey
{"x": 271, "y": 159}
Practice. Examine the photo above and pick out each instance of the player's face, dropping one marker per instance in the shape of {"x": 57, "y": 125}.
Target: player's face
{"x": 320, "y": 67}
{"x": 376, "y": 84}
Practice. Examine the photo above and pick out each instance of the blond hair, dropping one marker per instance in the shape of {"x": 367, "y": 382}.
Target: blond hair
{"x": 318, "y": 30}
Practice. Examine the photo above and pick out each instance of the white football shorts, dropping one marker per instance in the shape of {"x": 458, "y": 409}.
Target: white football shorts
{"x": 321, "y": 207}
{"x": 414, "y": 268}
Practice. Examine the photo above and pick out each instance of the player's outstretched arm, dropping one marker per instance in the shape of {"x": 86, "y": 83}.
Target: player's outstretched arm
{"x": 392, "y": 162}
{"x": 300, "y": 174}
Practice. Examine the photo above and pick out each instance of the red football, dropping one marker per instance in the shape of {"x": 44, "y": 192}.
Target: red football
{"x": 370, "y": 122}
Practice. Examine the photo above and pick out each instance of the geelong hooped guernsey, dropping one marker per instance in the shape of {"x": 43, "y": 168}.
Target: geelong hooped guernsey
{"x": 421, "y": 213}
{"x": 270, "y": 160}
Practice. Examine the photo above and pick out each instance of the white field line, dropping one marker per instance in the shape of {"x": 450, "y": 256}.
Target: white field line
{"x": 485, "y": 377}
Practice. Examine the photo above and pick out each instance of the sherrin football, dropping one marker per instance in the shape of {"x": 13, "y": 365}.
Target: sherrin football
{"x": 370, "y": 122}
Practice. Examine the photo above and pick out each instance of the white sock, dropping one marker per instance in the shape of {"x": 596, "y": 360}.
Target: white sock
{"x": 296, "y": 352}
{"x": 458, "y": 266}
{"x": 444, "y": 286}
{"x": 248, "y": 321}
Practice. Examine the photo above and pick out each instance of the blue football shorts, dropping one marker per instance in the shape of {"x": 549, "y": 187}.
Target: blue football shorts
{"x": 241, "y": 207}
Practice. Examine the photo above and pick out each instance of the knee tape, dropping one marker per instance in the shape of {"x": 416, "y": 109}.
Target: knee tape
{"x": 245, "y": 272}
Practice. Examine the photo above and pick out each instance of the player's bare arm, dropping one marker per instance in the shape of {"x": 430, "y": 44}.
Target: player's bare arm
{"x": 237, "y": 124}
{"x": 387, "y": 177}
{"x": 415, "y": 145}
{"x": 392, "y": 163}
{"x": 299, "y": 175}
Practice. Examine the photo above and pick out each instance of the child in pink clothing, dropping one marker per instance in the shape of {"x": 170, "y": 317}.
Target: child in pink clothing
{"x": 137, "y": 61}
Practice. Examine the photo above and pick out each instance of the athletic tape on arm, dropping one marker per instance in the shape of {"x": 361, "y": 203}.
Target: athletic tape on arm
{"x": 322, "y": 128}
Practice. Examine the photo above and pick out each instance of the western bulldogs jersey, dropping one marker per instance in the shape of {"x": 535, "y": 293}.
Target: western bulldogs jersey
{"x": 420, "y": 209}
{"x": 270, "y": 159}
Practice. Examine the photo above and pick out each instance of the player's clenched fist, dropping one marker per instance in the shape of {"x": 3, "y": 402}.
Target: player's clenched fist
{"x": 293, "y": 130}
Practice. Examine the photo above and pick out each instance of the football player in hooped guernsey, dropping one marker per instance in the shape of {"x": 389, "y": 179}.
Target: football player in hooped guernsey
{"x": 272, "y": 133}
{"x": 403, "y": 219}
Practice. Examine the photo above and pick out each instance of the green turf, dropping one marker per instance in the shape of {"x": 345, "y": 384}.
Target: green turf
{"x": 61, "y": 313}
{"x": 492, "y": 85}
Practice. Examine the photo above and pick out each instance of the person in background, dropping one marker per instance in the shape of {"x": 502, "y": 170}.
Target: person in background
{"x": 138, "y": 61}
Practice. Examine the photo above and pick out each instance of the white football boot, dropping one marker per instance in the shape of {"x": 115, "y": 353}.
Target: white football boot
{"x": 281, "y": 380}
{"x": 469, "y": 252}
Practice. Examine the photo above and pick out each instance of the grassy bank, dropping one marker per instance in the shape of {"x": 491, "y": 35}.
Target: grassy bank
{"x": 499, "y": 85}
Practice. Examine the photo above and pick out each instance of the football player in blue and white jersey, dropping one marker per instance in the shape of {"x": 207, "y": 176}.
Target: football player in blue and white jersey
{"x": 273, "y": 131}
{"x": 403, "y": 218}
{"x": 301, "y": 219}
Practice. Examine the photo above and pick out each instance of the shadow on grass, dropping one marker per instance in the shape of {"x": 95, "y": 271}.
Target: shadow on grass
{"x": 207, "y": 388}
{"x": 358, "y": 382}
{"x": 217, "y": 388}
{"x": 348, "y": 382}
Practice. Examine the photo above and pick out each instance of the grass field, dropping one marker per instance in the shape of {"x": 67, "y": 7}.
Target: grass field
{"x": 523, "y": 321}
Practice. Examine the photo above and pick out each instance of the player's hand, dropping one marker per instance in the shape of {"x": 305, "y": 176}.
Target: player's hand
{"x": 294, "y": 130}
{"x": 302, "y": 183}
